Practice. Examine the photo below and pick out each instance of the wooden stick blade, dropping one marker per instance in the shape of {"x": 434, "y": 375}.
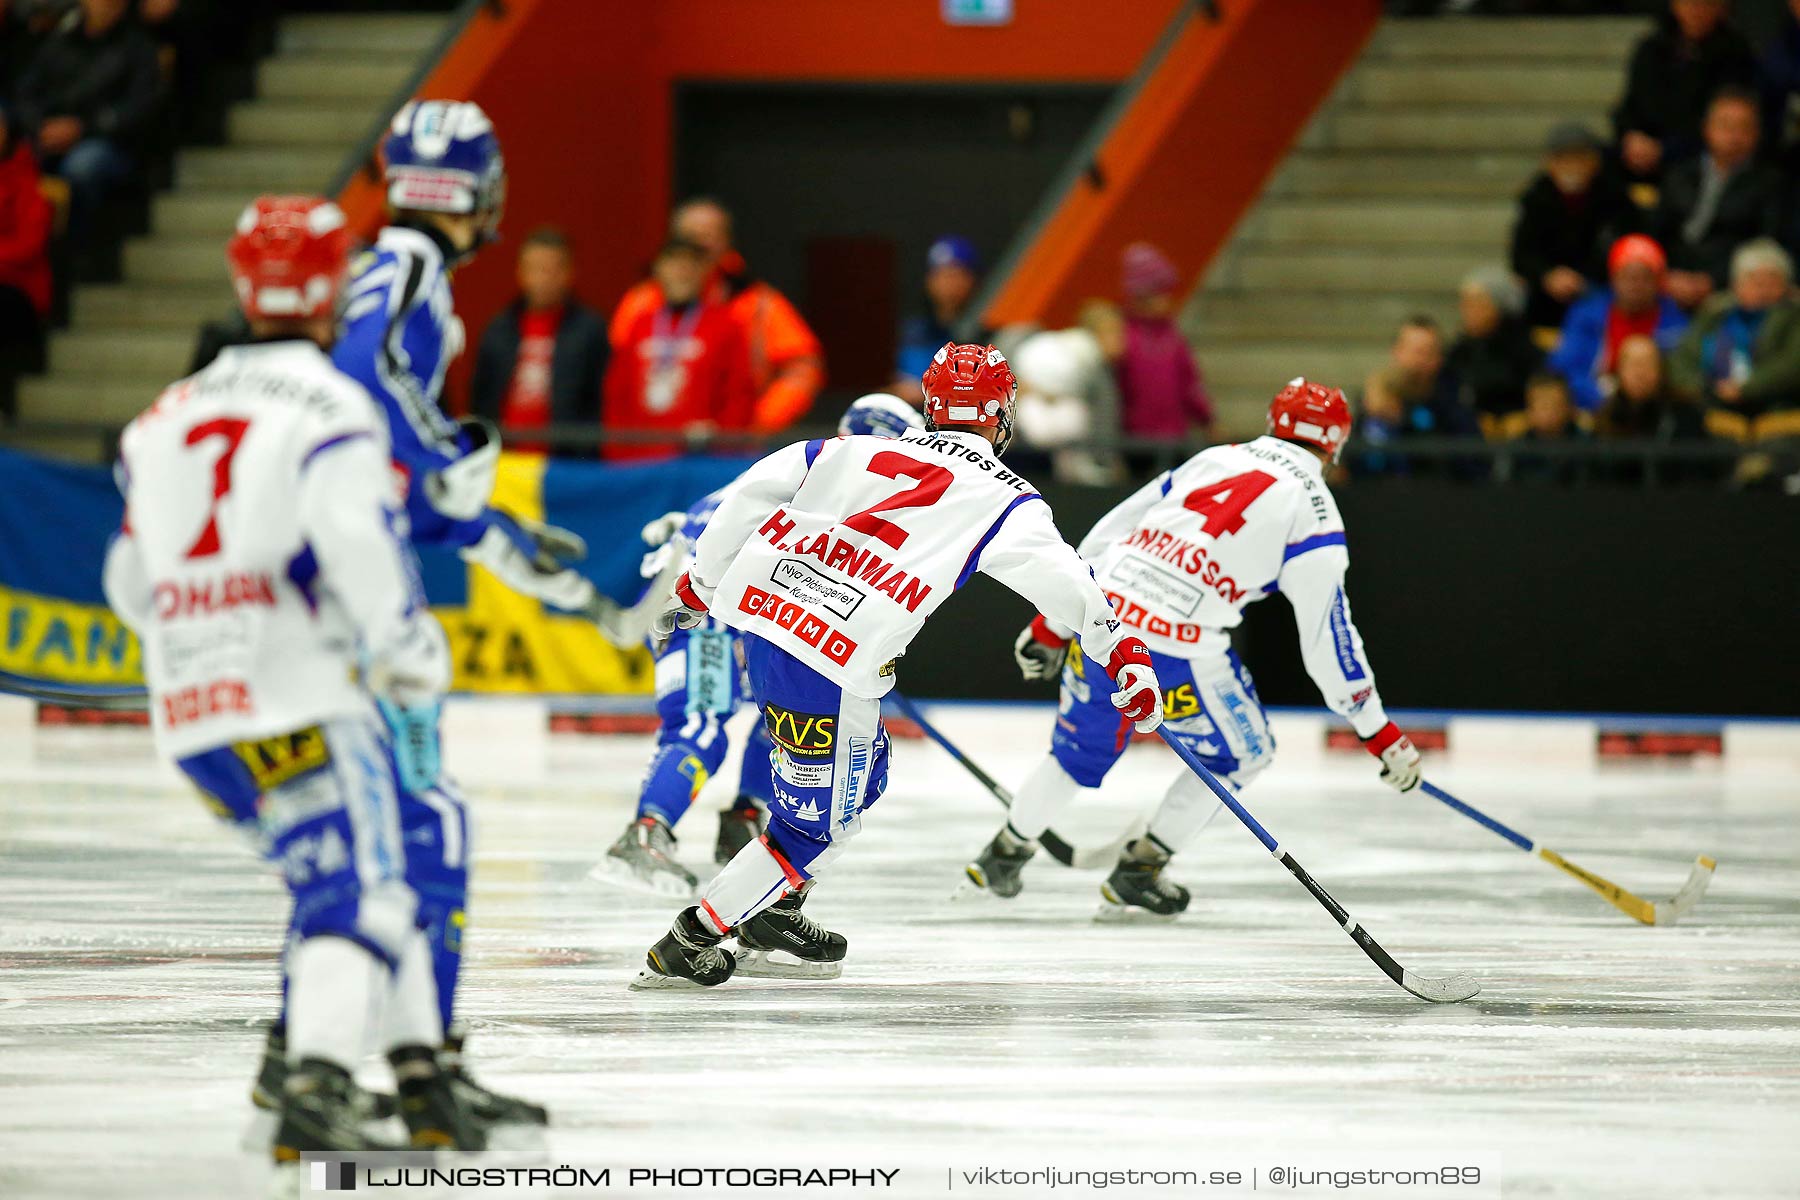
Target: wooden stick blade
{"x": 1683, "y": 902}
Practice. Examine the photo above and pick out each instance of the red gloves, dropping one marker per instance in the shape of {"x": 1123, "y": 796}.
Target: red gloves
{"x": 1399, "y": 757}
{"x": 1139, "y": 698}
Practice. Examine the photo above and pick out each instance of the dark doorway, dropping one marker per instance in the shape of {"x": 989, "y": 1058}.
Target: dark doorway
{"x": 807, "y": 167}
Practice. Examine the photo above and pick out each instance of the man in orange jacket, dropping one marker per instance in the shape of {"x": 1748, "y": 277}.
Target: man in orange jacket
{"x": 787, "y": 364}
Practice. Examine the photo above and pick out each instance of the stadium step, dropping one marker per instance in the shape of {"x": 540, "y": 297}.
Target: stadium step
{"x": 156, "y": 306}
{"x": 1518, "y": 128}
{"x": 1223, "y": 316}
{"x": 1317, "y": 222}
{"x": 311, "y": 122}
{"x": 260, "y": 168}
{"x": 198, "y": 212}
{"x": 1352, "y": 174}
{"x": 1434, "y": 84}
{"x": 1602, "y": 41}
{"x": 123, "y": 352}
{"x": 1299, "y": 270}
{"x": 340, "y": 76}
{"x": 188, "y": 261}
{"x": 90, "y": 398}
{"x": 391, "y": 34}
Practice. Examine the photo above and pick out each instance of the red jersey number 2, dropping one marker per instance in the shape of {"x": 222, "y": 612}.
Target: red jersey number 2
{"x": 232, "y": 430}
{"x": 1221, "y": 505}
{"x": 933, "y": 481}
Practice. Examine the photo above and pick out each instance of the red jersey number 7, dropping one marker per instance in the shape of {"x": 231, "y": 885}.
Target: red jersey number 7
{"x": 232, "y": 430}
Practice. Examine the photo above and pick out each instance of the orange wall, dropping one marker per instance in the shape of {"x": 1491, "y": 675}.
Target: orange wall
{"x": 580, "y": 91}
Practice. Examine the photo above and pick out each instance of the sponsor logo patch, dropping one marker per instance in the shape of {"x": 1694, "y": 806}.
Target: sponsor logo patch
{"x": 802, "y": 735}
{"x": 808, "y": 627}
{"x": 278, "y": 760}
{"x": 811, "y": 589}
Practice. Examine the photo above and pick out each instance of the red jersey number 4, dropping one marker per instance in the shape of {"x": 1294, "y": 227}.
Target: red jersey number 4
{"x": 1221, "y": 505}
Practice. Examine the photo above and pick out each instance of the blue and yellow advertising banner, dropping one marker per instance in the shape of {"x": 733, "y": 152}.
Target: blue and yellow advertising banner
{"x": 56, "y": 632}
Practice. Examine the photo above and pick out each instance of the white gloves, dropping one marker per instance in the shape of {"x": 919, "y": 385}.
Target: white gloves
{"x": 686, "y": 611}
{"x": 460, "y": 490}
{"x": 531, "y": 558}
{"x": 413, "y": 668}
{"x": 1399, "y": 757}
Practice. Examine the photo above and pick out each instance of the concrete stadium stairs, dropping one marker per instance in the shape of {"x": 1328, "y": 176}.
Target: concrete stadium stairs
{"x": 1404, "y": 181}
{"x": 316, "y": 96}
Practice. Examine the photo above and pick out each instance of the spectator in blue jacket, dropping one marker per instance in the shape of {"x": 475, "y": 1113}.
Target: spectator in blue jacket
{"x": 952, "y": 272}
{"x": 1587, "y": 353}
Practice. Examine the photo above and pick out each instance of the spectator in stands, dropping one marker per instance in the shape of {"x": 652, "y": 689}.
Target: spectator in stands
{"x": 1414, "y": 395}
{"x": 1068, "y": 404}
{"x": 1587, "y": 351}
{"x": 1742, "y": 353}
{"x": 24, "y": 24}
{"x": 543, "y": 360}
{"x": 1494, "y": 355}
{"x": 1549, "y": 420}
{"x": 1779, "y": 71}
{"x": 1161, "y": 394}
{"x": 1569, "y": 213}
{"x": 952, "y": 271}
{"x": 87, "y": 101}
{"x": 25, "y": 226}
{"x": 680, "y": 366}
{"x": 787, "y": 364}
{"x": 1712, "y": 204}
{"x": 1644, "y": 407}
{"x": 1675, "y": 71}
{"x": 201, "y": 36}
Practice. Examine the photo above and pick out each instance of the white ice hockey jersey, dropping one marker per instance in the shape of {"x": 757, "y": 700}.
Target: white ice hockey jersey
{"x": 1183, "y": 556}
{"x": 257, "y": 546}
{"x": 837, "y": 550}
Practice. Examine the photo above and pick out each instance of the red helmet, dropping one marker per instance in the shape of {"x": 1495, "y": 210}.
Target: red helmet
{"x": 288, "y": 257}
{"x": 1312, "y": 414}
{"x": 970, "y": 386}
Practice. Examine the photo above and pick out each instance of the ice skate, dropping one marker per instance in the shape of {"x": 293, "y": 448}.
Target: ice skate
{"x": 738, "y": 827}
{"x": 1136, "y": 888}
{"x": 436, "y": 1115}
{"x": 781, "y": 942}
{"x": 688, "y": 956}
{"x": 272, "y": 1073}
{"x": 997, "y": 870}
{"x": 643, "y": 860}
{"x": 323, "y": 1111}
{"x": 489, "y": 1107}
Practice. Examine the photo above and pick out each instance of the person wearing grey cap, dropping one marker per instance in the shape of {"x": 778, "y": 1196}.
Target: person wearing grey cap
{"x": 1569, "y": 213}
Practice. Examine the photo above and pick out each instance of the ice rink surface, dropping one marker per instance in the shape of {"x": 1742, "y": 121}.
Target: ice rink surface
{"x": 1602, "y": 1059}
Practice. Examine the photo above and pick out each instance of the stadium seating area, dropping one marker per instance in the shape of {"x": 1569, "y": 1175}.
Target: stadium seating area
{"x": 1547, "y": 249}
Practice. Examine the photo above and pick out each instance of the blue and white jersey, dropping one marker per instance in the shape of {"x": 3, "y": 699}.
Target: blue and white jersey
{"x": 400, "y": 335}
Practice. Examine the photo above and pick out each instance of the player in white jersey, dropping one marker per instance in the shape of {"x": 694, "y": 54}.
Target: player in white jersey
{"x": 827, "y": 558}
{"x": 1180, "y": 559}
{"x": 699, "y": 685}
{"x": 258, "y": 565}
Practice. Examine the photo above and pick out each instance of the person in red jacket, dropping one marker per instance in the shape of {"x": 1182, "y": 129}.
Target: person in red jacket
{"x": 25, "y": 223}
{"x": 680, "y": 365}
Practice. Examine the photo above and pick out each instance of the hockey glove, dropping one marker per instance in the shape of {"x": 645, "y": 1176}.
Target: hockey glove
{"x": 659, "y": 531}
{"x": 1139, "y": 698}
{"x": 685, "y": 611}
{"x": 531, "y": 559}
{"x": 1399, "y": 757}
{"x": 461, "y": 489}
{"x": 1039, "y": 652}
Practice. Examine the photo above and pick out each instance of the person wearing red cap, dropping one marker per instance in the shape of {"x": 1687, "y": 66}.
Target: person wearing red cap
{"x": 1180, "y": 560}
{"x": 828, "y": 557}
{"x": 1587, "y": 352}
{"x": 257, "y": 564}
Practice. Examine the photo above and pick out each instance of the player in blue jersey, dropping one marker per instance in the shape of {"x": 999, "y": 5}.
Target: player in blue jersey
{"x": 446, "y": 188}
{"x": 700, "y": 683}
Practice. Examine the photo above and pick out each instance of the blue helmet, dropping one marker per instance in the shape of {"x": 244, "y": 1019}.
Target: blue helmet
{"x": 882, "y": 415}
{"x": 443, "y": 156}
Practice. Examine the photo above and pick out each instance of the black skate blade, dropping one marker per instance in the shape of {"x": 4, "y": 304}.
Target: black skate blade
{"x": 778, "y": 964}
{"x": 615, "y": 874}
